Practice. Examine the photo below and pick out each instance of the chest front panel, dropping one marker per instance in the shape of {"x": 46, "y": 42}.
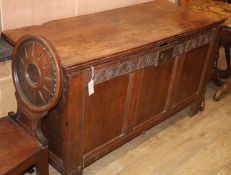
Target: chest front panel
{"x": 140, "y": 88}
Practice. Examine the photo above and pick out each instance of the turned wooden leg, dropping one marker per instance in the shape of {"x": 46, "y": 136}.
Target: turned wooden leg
{"x": 42, "y": 164}
{"x": 227, "y": 56}
{"x": 215, "y": 76}
{"x": 222, "y": 90}
{"x": 197, "y": 106}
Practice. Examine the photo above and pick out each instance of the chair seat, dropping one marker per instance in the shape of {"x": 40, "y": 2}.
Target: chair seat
{"x": 212, "y": 8}
{"x": 16, "y": 146}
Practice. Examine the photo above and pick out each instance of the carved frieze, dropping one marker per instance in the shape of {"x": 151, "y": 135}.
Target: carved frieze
{"x": 193, "y": 43}
{"x": 147, "y": 58}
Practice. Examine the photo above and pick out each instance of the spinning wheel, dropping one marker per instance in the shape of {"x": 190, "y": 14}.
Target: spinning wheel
{"x": 37, "y": 73}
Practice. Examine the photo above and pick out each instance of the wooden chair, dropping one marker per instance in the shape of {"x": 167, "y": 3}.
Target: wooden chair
{"x": 22, "y": 143}
{"x": 19, "y": 150}
{"x": 220, "y": 8}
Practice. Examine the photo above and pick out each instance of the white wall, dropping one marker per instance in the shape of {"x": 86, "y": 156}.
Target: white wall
{"x": 19, "y": 13}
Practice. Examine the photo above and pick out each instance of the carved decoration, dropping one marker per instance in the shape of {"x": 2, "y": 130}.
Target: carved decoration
{"x": 37, "y": 73}
{"x": 133, "y": 63}
{"x": 148, "y": 58}
{"x": 193, "y": 43}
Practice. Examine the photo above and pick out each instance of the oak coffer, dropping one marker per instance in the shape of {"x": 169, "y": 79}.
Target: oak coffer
{"x": 104, "y": 78}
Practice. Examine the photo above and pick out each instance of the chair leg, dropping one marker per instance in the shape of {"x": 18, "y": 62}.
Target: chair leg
{"x": 222, "y": 90}
{"x": 215, "y": 76}
{"x": 42, "y": 166}
{"x": 31, "y": 170}
{"x": 227, "y": 56}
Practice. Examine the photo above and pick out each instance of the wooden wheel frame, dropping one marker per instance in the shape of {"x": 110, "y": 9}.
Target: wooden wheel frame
{"x": 37, "y": 73}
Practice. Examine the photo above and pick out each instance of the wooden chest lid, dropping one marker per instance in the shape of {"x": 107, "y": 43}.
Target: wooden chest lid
{"x": 91, "y": 38}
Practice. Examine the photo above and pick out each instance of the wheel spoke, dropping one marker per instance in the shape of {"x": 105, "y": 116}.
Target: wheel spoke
{"x": 32, "y": 54}
{"x": 48, "y": 90}
{"x": 41, "y": 95}
{"x": 26, "y": 54}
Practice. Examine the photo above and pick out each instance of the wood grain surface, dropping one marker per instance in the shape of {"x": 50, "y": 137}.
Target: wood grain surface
{"x": 213, "y": 8}
{"x": 96, "y": 36}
